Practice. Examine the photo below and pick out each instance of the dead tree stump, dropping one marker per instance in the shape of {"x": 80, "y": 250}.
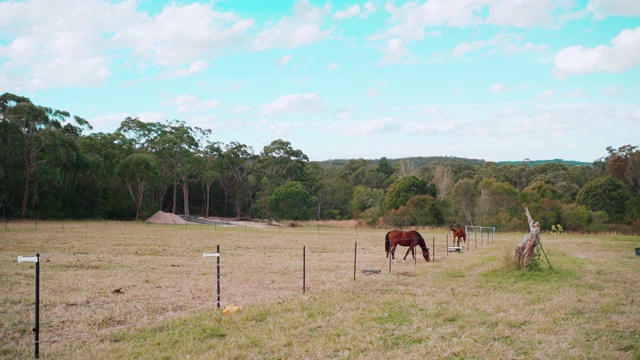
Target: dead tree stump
{"x": 527, "y": 247}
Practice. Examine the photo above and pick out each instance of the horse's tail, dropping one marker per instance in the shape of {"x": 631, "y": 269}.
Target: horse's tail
{"x": 387, "y": 243}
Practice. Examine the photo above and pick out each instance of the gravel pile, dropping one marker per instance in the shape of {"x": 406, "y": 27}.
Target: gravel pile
{"x": 162, "y": 217}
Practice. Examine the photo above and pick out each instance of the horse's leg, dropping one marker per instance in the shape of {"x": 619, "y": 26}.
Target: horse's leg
{"x": 393, "y": 252}
{"x": 409, "y": 249}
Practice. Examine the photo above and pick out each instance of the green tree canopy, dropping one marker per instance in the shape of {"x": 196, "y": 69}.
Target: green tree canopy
{"x": 404, "y": 189}
{"x": 605, "y": 194}
{"x": 292, "y": 201}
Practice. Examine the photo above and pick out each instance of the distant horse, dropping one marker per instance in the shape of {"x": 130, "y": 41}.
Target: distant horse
{"x": 458, "y": 234}
{"x": 405, "y": 238}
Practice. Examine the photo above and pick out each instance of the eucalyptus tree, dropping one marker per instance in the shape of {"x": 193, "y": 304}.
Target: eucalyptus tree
{"x": 24, "y": 122}
{"x": 175, "y": 146}
{"x": 137, "y": 172}
{"x": 465, "y": 199}
{"x": 178, "y": 146}
{"x": 443, "y": 180}
{"x": 233, "y": 163}
{"x": 281, "y": 163}
{"x": 103, "y": 152}
{"x": 208, "y": 176}
{"x": 331, "y": 190}
{"x": 624, "y": 164}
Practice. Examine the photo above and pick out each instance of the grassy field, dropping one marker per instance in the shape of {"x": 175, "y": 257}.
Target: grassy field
{"x": 463, "y": 306}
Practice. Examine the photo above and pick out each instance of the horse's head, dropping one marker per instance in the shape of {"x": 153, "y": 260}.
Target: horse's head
{"x": 425, "y": 253}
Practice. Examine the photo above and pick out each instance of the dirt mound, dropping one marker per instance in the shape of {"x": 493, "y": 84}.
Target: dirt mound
{"x": 162, "y": 217}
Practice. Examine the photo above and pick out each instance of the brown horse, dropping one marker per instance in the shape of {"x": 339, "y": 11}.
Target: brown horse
{"x": 458, "y": 234}
{"x": 405, "y": 238}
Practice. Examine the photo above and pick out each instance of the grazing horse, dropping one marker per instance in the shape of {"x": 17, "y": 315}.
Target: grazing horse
{"x": 405, "y": 238}
{"x": 458, "y": 234}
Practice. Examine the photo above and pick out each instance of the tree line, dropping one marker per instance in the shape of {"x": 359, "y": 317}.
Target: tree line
{"x": 52, "y": 166}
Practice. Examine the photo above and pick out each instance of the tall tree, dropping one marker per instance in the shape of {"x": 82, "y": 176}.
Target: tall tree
{"x": 624, "y": 164}
{"x": 138, "y": 172}
{"x": 443, "y": 179}
{"x": 605, "y": 194}
{"x": 27, "y": 120}
{"x": 282, "y": 163}
{"x": 465, "y": 198}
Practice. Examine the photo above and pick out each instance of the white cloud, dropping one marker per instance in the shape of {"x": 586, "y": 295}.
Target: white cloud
{"x": 152, "y": 116}
{"x": 362, "y": 128}
{"x": 371, "y": 93}
{"x": 507, "y": 43}
{"x": 190, "y": 103}
{"x": 303, "y": 27}
{"x": 107, "y": 123}
{"x": 499, "y": 88}
{"x": 283, "y": 61}
{"x": 603, "y": 8}
{"x": 46, "y": 45}
{"x": 295, "y": 103}
{"x": 623, "y": 54}
{"x": 574, "y": 94}
{"x": 194, "y": 68}
{"x": 523, "y": 13}
{"x": 43, "y": 47}
{"x": 612, "y": 90}
{"x": 547, "y": 95}
{"x": 395, "y": 52}
{"x": 350, "y": 12}
{"x": 333, "y": 66}
{"x": 182, "y": 33}
{"x": 277, "y": 128}
{"x": 240, "y": 110}
{"x": 409, "y": 21}
{"x": 369, "y": 7}
{"x": 110, "y": 122}
{"x": 346, "y": 113}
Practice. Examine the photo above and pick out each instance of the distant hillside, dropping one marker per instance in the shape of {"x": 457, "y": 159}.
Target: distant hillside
{"x": 414, "y": 163}
{"x": 539, "y": 162}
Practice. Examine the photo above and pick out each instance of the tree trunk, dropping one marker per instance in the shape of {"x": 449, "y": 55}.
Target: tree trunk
{"x": 206, "y": 207}
{"x": 175, "y": 190}
{"x": 527, "y": 247}
{"x": 27, "y": 179}
{"x": 185, "y": 194}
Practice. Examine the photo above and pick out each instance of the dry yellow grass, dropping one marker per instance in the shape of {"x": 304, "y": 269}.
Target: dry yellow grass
{"x": 462, "y": 306}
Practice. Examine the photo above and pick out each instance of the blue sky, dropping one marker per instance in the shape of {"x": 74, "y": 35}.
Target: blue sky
{"x": 484, "y": 79}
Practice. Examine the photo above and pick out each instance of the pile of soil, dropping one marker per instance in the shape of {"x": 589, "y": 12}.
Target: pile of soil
{"x": 162, "y": 217}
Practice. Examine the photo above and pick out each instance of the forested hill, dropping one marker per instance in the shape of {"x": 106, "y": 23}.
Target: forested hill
{"x": 414, "y": 163}
{"x": 540, "y": 162}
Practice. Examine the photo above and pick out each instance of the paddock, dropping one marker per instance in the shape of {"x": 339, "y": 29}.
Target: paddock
{"x": 163, "y": 277}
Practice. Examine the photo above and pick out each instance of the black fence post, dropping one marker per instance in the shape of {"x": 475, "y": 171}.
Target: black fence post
{"x": 218, "y": 269}
{"x": 36, "y": 329}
